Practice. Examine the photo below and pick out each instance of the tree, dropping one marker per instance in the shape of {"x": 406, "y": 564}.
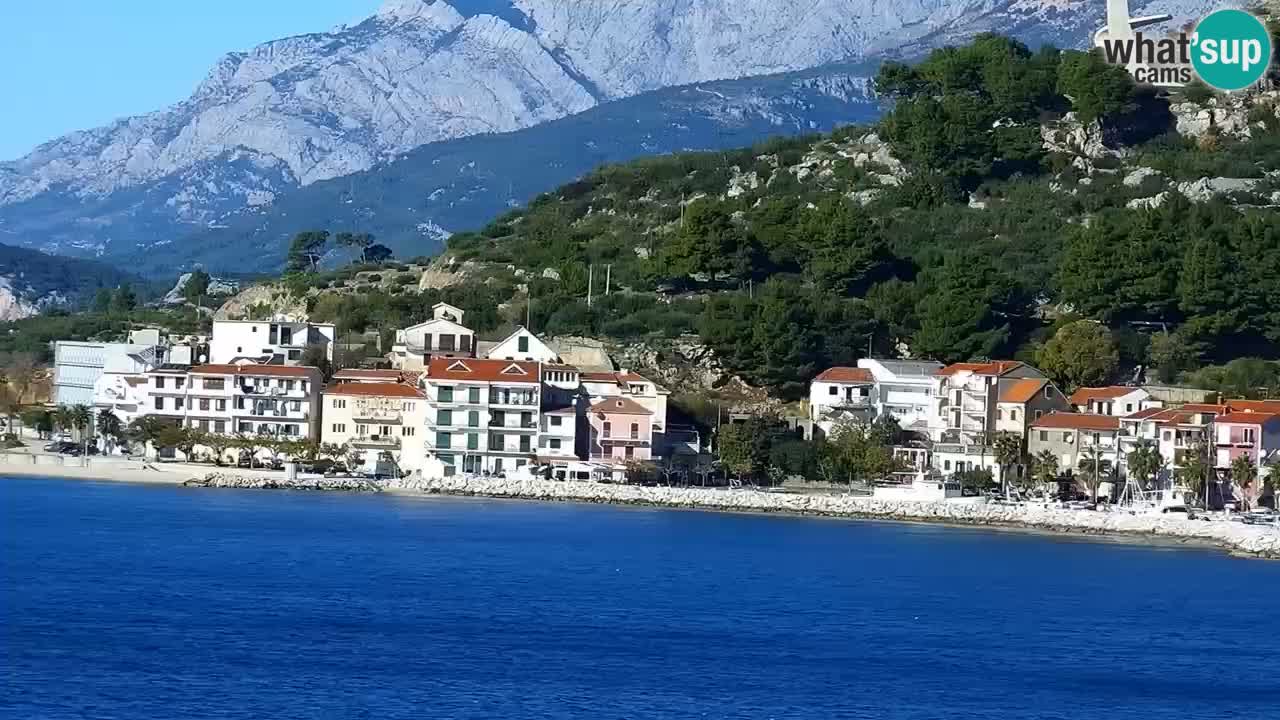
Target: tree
{"x": 1194, "y": 472}
{"x": 317, "y": 356}
{"x": 63, "y": 419}
{"x": 377, "y": 254}
{"x": 744, "y": 447}
{"x": 1008, "y": 452}
{"x": 1145, "y": 464}
{"x": 1045, "y": 469}
{"x": 859, "y": 451}
{"x": 41, "y": 420}
{"x": 1170, "y": 354}
{"x": 1080, "y": 354}
{"x": 357, "y": 241}
{"x": 172, "y": 437}
{"x": 81, "y": 417}
{"x": 19, "y": 371}
{"x": 218, "y": 444}
{"x": 146, "y": 430}
{"x": 707, "y": 242}
{"x": 1097, "y": 89}
{"x": 123, "y": 300}
{"x": 306, "y": 249}
{"x": 354, "y": 457}
{"x": 1244, "y": 475}
{"x": 110, "y": 428}
{"x": 1094, "y": 470}
{"x": 197, "y": 286}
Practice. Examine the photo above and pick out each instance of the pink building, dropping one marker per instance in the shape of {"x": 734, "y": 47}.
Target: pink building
{"x": 1255, "y": 435}
{"x": 621, "y": 430}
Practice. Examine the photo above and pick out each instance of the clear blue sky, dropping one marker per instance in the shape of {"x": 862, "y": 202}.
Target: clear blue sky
{"x": 75, "y": 64}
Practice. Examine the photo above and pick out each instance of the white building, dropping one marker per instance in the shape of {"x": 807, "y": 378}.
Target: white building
{"x": 443, "y": 335}
{"x": 78, "y": 366}
{"x": 273, "y": 400}
{"x": 906, "y": 391}
{"x": 275, "y": 342}
{"x": 842, "y": 393}
{"x": 378, "y": 415}
{"x": 524, "y": 346}
{"x": 1115, "y": 400}
{"x": 483, "y": 415}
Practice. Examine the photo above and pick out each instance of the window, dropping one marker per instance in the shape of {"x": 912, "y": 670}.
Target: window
{"x": 362, "y": 430}
{"x": 522, "y": 344}
{"x": 179, "y": 382}
{"x": 246, "y": 427}
{"x": 1128, "y": 407}
{"x": 1013, "y": 413}
{"x": 338, "y": 404}
{"x": 159, "y": 403}
{"x": 1097, "y": 438}
{"x": 1044, "y": 436}
{"x": 1048, "y": 391}
{"x": 444, "y": 417}
{"x": 221, "y": 405}
{"x": 295, "y": 354}
{"x": 556, "y": 421}
{"x": 291, "y": 429}
{"x": 608, "y": 429}
{"x": 447, "y": 343}
{"x": 286, "y": 336}
{"x": 159, "y": 383}
{"x": 635, "y": 431}
{"x": 464, "y": 343}
{"x": 526, "y": 420}
{"x": 554, "y": 443}
{"x": 445, "y": 394}
{"x": 833, "y": 390}
{"x": 524, "y": 444}
{"x": 1168, "y": 435}
{"x": 408, "y": 431}
{"x": 473, "y": 418}
{"x": 999, "y": 413}
{"x": 473, "y": 441}
{"x": 297, "y": 406}
{"x": 214, "y": 384}
{"x": 302, "y": 385}
{"x": 253, "y": 328}
{"x": 220, "y": 426}
{"x": 406, "y": 406}
{"x": 288, "y": 384}
{"x": 443, "y": 441}
{"x": 204, "y": 404}
{"x": 1039, "y": 414}
{"x": 339, "y": 428}
{"x": 630, "y": 451}
{"x": 239, "y": 403}
{"x": 946, "y": 465}
{"x": 473, "y": 395}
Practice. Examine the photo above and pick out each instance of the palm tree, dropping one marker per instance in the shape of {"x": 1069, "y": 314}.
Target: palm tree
{"x": 1195, "y": 471}
{"x": 1008, "y": 452}
{"x": 81, "y": 416}
{"x": 1093, "y": 469}
{"x": 110, "y": 427}
{"x": 1244, "y": 475}
{"x": 1145, "y": 463}
{"x": 1045, "y": 464}
{"x": 62, "y": 419}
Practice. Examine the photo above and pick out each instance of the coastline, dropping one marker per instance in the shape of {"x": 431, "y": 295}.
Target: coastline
{"x": 1171, "y": 531}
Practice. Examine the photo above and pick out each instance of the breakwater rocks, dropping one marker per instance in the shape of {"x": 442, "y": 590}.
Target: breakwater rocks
{"x": 253, "y": 482}
{"x": 1237, "y": 537}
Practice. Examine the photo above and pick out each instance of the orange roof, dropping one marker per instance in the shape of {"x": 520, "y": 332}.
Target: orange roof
{"x": 618, "y": 378}
{"x": 473, "y": 370}
{"x": 1204, "y": 408}
{"x": 619, "y": 406}
{"x": 256, "y": 370}
{"x": 846, "y": 375}
{"x": 369, "y": 389}
{"x": 1077, "y": 421}
{"x": 1084, "y": 395}
{"x": 997, "y": 367}
{"x": 1022, "y": 390}
{"x": 1144, "y": 414}
{"x": 389, "y": 375}
{"x": 1247, "y": 418}
{"x": 1254, "y": 405}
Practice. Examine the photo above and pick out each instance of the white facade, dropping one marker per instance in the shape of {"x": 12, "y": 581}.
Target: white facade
{"x": 524, "y": 346}
{"x": 482, "y": 415}
{"x": 1112, "y": 401}
{"x": 443, "y": 335}
{"x": 376, "y": 418}
{"x": 906, "y": 390}
{"x": 79, "y": 365}
{"x": 273, "y": 400}
{"x": 267, "y": 341}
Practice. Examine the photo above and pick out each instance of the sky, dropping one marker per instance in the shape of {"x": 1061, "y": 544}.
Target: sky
{"x": 76, "y": 64}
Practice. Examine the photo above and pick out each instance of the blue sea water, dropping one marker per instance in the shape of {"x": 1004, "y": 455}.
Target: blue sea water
{"x": 158, "y": 602}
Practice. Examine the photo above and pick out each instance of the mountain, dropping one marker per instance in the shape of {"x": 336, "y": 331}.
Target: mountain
{"x": 301, "y": 110}
{"x": 32, "y": 281}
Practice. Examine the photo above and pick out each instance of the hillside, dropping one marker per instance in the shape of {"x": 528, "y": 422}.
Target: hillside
{"x": 981, "y": 219}
{"x": 301, "y": 110}
{"x": 32, "y": 281}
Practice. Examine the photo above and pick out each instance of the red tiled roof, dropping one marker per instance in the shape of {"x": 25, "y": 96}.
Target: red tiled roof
{"x": 1077, "y": 421}
{"x": 474, "y": 370}
{"x": 997, "y": 367}
{"x": 1144, "y": 414}
{"x": 1022, "y": 390}
{"x": 846, "y": 375}
{"x": 618, "y": 378}
{"x": 256, "y": 370}
{"x": 1272, "y": 406}
{"x": 1084, "y": 395}
{"x": 620, "y": 406}
{"x": 1247, "y": 418}
{"x": 368, "y": 389}
{"x": 1204, "y": 408}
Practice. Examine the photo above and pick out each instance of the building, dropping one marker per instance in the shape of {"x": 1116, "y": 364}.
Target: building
{"x": 482, "y": 415}
{"x": 268, "y": 342}
{"x": 78, "y": 366}
{"x": 621, "y": 431}
{"x": 600, "y": 386}
{"x": 443, "y": 335}
{"x": 1115, "y": 400}
{"x": 1175, "y": 432}
{"x": 1251, "y": 435}
{"x": 273, "y": 400}
{"x": 842, "y": 394}
{"x": 1024, "y": 401}
{"x": 377, "y": 413}
{"x": 906, "y": 390}
{"x": 524, "y": 346}
{"x": 1068, "y": 436}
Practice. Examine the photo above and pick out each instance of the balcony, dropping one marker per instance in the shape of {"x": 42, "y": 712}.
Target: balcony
{"x": 513, "y": 425}
{"x": 377, "y": 417}
{"x": 961, "y": 449}
{"x": 377, "y": 441}
{"x": 514, "y": 399}
{"x": 520, "y": 450}
{"x": 625, "y": 439}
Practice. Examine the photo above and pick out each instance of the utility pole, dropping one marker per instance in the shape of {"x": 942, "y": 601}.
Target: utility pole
{"x": 590, "y": 280}
{"x": 608, "y": 277}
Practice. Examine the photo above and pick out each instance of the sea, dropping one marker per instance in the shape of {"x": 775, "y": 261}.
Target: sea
{"x": 130, "y": 601}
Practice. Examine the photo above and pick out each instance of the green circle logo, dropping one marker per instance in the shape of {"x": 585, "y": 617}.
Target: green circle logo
{"x": 1232, "y": 50}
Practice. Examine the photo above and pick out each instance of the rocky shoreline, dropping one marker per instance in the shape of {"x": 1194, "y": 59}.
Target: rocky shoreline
{"x": 250, "y": 482}
{"x": 1257, "y": 541}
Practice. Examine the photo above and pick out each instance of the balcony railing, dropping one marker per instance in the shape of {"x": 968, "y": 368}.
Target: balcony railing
{"x": 516, "y": 399}
{"x": 381, "y": 441}
{"x": 382, "y": 417}
{"x": 510, "y": 425}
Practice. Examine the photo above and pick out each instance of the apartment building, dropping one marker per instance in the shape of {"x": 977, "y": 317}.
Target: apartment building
{"x": 1175, "y": 432}
{"x": 482, "y": 415}
{"x": 78, "y": 366}
{"x": 906, "y": 390}
{"x": 268, "y": 342}
{"x": 1069, "y": 436}
{"x": 524, "y": 346}
{"x": 275, "y": 400}
{"x": 443, "y": 335}
{"x": 621, "y": 431}
{"x": 1248, "y": 434}
{"x": 842, "y": 394}
{"x": 601, "y": 386}
{"x": 382, "y": 412}
{"x": 1114, "y": 400}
